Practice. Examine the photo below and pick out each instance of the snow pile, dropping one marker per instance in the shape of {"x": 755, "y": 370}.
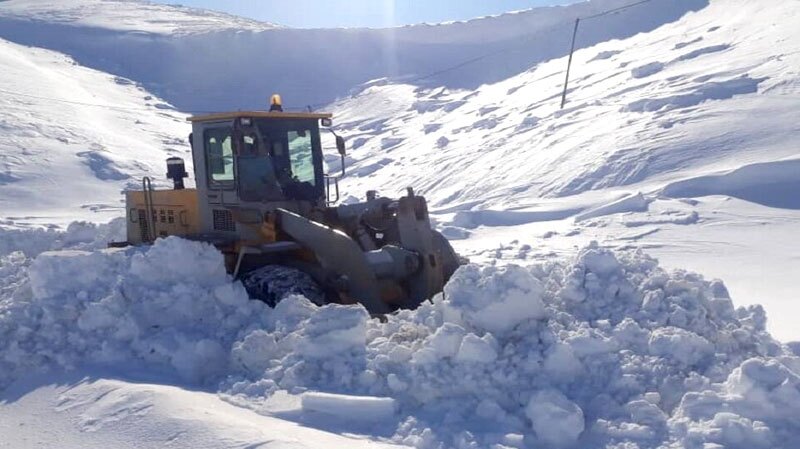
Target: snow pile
{"x": 171, "y": 307}
{"x": 604, "y": 350}
{"x": 611, "y": 351}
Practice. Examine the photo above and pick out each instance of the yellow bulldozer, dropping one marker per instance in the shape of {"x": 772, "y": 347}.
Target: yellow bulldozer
{"x": 263, "y": 199}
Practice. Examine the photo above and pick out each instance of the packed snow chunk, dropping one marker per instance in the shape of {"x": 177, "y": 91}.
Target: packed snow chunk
{"x": 447, "y": 340}
{"x": 334, "y": 329}
{"x": 770, "y": 389}
{"x": 561, "y": 362}
{"x": 557, "y": 421}
{"x": 355, "y": 408}
{"x": 80, "y": 232}
{"x": 680, "y": 345}
{"x": 646, "y": 413}
{"x": 254, "y": 353}
{"x": 78, "y": 236}
{"x": 598, "y": 261}
{"x": 758, "y": 406}
{"x": 494, "y": 299}
{"x": 476, "y": 349}
{"x": 729, "y": 430}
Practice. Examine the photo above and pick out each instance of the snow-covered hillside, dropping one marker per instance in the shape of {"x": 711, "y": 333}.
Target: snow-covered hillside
{"x": 126, "y": 16}
{"x": 212, "y": 63}
{"x": 74, "y": 138}
{"x": 682, "y": 141}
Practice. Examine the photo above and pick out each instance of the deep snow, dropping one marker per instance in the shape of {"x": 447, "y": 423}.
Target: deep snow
{"x": 602, "y": 349}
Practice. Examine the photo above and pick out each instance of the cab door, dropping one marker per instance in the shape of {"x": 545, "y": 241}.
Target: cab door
{"x": 220, "y": 164}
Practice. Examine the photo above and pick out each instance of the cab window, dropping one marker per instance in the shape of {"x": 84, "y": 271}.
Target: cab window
{"x": 219, "y": 155}
{"x": 301, "y": 157}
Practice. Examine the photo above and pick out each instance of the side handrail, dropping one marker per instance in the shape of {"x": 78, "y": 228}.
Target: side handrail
{"x": 328, "y": 179}
{"x": 147, "y": 187}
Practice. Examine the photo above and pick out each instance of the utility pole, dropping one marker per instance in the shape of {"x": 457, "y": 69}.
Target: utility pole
{"x": 569, "y": 62}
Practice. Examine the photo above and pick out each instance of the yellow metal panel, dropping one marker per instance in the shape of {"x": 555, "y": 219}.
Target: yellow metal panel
{"x": 175, "y": 212}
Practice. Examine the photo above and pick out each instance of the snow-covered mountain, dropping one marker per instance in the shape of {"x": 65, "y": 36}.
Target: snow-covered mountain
{"x": 125, "y": 16}
{"x": 678, "y": 138}
{"x": 74, "y": 138}
{"x": 208, "y": 62}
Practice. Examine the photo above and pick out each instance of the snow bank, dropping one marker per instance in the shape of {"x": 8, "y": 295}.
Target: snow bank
{"x": 630, "y": 203}
{"x": 169, "y": 307}
{"x": 605, "y": 350}
{"x": 772, "y": 184}
{"x": 601, "y": 350}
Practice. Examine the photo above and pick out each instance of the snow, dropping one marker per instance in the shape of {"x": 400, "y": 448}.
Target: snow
{"x": 770, "y": 184}
{"x": 556, "y": 420}
{"x": 192, "y": 57}
{"x": 664, "y": 131}
{"x": 127, "y": 16}
{"x": 357, "y": 408}
{"x": 630, "y": 203}
{"x": 677, "y": 141}
{"x": 480, "y": 297}
{"x": 64, "y": 157}
{"x": 90, "y": 412}
{"x": 619, "y": 350}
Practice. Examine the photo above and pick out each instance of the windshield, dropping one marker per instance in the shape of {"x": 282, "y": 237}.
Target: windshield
{"x": 286, "y": 148}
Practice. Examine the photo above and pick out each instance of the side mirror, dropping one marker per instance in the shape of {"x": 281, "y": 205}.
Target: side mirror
{"x": 342, "y": 151}
{"x": 340, "y": 145}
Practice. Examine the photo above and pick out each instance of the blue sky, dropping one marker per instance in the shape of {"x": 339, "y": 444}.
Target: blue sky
{"x": 372, "y": 13}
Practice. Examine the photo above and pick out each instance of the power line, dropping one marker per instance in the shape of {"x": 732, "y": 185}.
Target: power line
{"x": 575, "y": 36}
{"x": 612, "y": 11}
{"x": 515, "y": 48}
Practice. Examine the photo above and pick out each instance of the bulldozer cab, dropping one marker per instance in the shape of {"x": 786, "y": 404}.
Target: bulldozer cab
{"x": 254, "y": 162}
{"x": 263, "y": 156}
